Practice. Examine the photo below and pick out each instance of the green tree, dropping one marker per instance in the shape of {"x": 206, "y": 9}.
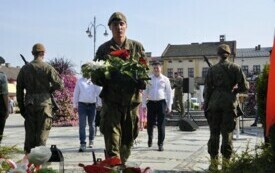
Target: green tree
{"x": 261, "y": 94}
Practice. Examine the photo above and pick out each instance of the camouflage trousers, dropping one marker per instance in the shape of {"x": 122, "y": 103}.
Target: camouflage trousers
{"x": 221, "y": 123}
{"x": 38, "y": 122}
{"x": 178, "y": 103}
{"x": 119, "y": 125}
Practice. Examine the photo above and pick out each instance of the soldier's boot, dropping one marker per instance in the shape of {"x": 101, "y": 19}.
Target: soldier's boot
{"x": 225, "y": 163}
{"x": 214, "y": 162}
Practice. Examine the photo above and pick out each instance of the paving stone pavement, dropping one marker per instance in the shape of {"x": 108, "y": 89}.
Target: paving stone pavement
{"x": 183, "y": 151}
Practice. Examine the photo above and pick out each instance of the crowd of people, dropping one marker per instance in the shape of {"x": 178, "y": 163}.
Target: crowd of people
{"x": 121, "y": 117}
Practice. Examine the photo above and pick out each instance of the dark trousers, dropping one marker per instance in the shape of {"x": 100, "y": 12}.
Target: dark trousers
{"x": 156, "y": 111}
{"x": 3, "y": 111}
{"x": 2, "y": 125}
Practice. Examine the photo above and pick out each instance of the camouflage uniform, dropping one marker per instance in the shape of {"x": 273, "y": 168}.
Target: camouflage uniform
{"x": 38, "y": 79}
{"x": 3, "y": 106}
{"x": 178, "y": 103}
{"x": 119, "y": 115}
{"x": 221, "y": 103}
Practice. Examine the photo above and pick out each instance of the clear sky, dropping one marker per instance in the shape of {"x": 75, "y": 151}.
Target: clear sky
{"x": 61, "y": 24}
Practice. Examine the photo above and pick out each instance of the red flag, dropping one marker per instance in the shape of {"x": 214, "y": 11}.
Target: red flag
{"x": 270, "y": 102}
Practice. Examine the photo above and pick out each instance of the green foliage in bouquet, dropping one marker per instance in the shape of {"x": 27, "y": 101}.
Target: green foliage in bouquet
{"x": 119, "y": 70}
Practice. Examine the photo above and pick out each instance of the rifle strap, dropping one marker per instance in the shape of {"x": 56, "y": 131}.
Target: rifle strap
{"x": 34, "y": 77}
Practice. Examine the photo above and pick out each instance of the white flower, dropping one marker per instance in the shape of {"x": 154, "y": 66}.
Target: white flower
{"x": 94, "y": 65}
{"x": 39, "y": 155}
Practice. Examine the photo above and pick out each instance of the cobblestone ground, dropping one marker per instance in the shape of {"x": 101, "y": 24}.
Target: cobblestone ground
{"x": 183, "y": 151}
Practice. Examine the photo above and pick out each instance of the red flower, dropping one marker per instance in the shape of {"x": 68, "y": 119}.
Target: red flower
{"x": 95, "y": 168}
{"x": 142, "y": 61}
{"x": 122, "y": 53}
{"x": 113, "y": 161}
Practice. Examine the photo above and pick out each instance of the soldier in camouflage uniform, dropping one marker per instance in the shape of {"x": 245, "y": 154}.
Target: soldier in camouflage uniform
{"x": 4, "y": 101}
{"x": 39, "y": 80}
{"x": 119, "y": 115}
{"x": 178, "y": 103}
{"x": 223, "y": 81}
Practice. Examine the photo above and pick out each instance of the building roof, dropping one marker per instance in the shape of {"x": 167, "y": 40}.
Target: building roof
{"x": 253, "y": 52}
{"x": 11, "y": 72}
{"x": 196, "y": 49}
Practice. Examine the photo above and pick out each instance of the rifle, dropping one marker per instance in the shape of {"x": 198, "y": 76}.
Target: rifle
{"x": 239, "y": 110}
{"x": 207, "y": 61}
{"x": 55, "y": 105}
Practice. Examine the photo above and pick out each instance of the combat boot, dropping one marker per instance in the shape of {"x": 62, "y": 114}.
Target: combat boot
{"x": 214, "y": 162}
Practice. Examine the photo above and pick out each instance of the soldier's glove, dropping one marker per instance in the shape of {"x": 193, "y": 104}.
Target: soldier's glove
{"x": 141, "y": 84}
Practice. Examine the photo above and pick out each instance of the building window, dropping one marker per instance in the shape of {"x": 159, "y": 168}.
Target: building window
{"x": 190, "y": 72}
{"x": 180, "y": 72}
{"x": 204, "y": 71}
{"x": 256, "y": 69}
{"x": 170, "y": 73}
{"x": 190, "y": 60}
{"x": 169, "y": 61}
{"x": 245, "y": 69}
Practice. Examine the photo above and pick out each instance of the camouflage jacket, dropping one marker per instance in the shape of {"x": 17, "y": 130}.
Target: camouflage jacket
{"x": 220, "y": 81}
{"x": 39, "y": 80}
{"x": 113, "y": 94}
{"x": 178, "y": 85}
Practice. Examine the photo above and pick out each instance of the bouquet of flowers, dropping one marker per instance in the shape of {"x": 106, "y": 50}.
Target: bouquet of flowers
{"x": 112, "y": 165}
{"x": 31, "y": 163}
{"x": 121, "y": 69}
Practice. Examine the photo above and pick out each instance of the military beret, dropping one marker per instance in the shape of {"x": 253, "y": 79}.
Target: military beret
{"x": 2, "y": 60}
{"x": 38, "y": 47}
{"x": 224, "y": 48}
{"x": 116, "y": 16}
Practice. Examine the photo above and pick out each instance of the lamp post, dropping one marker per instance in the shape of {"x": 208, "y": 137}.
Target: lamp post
{"x": 94, "y": 26}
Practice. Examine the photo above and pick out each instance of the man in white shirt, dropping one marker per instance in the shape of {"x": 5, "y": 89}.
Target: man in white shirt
{"x": 86, "y": 99}
{"x": 157, "y": 100}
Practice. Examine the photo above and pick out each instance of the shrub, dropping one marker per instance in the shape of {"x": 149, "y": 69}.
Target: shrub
{"x": 65, "y": 116}
{"x": 260, "y": 160}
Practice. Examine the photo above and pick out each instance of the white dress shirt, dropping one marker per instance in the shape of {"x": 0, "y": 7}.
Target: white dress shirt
{"x": 87, "y": 92}
{"x": 158, "y": 88}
